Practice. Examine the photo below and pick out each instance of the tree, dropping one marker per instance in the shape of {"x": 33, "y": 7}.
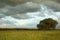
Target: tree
{"x": 47, "y": 24}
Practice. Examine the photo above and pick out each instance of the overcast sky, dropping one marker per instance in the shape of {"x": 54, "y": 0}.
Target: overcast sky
{"x": 27, "y": 13}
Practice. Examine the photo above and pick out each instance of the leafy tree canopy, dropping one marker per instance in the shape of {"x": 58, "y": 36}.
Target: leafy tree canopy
{"x": 47, "y": 24}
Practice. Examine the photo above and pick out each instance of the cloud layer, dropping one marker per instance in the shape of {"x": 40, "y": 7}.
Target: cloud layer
{"x": 28, "y": 13}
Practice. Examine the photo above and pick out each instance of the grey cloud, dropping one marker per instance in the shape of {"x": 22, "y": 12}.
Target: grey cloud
{"x": 52, "y": 5}
{"x": 58, "y": 1}
{"x": 2, "y": 15}
{"x": 21, "y": 16}
{"x": 16, "y": 2}
{"x": 13, "y": 2}
{"x": 20, "y": 11}
{"x": 2, "y": 5}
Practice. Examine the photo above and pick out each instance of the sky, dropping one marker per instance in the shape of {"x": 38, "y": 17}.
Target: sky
{"x": 28, "y": 13}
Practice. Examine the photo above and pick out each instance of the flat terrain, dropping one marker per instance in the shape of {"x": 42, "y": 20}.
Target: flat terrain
{"x": 29, "y": 35}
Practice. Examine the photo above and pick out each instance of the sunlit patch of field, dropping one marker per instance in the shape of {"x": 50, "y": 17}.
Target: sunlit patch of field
{"x": 29, "y": 35}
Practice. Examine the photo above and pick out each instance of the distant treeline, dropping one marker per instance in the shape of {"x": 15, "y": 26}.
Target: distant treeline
{"x": 20, "y": 29}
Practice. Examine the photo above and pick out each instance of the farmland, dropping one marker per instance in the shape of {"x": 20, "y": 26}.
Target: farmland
{"x": 29, "y": 34}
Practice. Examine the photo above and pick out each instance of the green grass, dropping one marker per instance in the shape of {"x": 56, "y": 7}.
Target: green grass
{"x": 29, "y": 35}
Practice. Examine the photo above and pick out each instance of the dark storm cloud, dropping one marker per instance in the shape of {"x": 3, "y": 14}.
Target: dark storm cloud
{"x": 16, "y": 2}
{"x": 3, "y": 3}
{"x": 52, "y": 5}
{"x": 20, "y": 11}
{"x": 23, "y": 8}
{"x": 58, "y": 1}
{"x": 13, "y": 2}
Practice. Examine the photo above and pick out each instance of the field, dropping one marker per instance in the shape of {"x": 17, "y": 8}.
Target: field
{"x": 29, "y": 35}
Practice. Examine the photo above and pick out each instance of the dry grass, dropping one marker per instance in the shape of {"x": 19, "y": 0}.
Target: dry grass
{"x": 29, "y": 35}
